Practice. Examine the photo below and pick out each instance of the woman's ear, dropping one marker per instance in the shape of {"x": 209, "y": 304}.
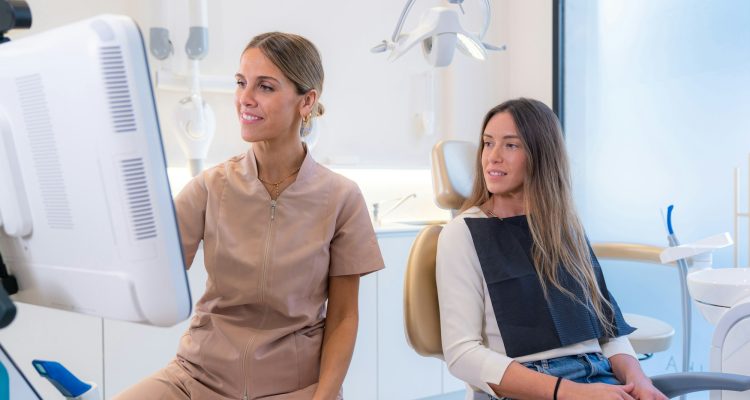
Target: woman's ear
{"x": 308, "y": 101}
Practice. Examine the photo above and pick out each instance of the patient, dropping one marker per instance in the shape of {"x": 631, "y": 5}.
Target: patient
{"x": 524, "y": 309}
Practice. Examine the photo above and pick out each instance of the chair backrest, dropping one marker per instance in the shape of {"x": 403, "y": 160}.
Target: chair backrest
{"x": 452, "y": 180}
{"x": 452, "y": 172}
{"x": 421, "y": 310}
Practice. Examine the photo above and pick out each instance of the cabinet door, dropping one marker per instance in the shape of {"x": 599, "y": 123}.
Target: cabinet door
{"x": 361, "y": 379}
{"x": 402, "y": 373}
{"x": 74, "y": 340}
{"x": 134, "y": 351}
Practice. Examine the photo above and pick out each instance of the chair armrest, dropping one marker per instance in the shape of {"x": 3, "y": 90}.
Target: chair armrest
{"x": 634, "y": 252}
{"x": 673, "y": 385}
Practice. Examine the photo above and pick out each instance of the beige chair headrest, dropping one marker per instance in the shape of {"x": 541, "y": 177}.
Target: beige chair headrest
{"x": 421, "y": 310}
{"x": 452, "y": 172}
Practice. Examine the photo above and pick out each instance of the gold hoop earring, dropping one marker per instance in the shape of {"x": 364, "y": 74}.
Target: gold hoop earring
{"x": 306, "y": 127}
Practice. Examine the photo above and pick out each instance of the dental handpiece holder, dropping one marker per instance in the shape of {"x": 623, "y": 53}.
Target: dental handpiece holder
{"x": 68, "y": 384}
{"x": 722, "y": 295}
{"x": 698, "y": 253}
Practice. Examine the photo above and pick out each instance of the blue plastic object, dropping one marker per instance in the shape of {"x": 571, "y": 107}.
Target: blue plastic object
{"x": 61, "y": 378}
{"x": 669, "y": 219}
{"x": 4, "y": 383}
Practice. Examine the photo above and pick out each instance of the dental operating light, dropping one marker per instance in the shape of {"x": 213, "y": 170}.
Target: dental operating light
{"x": 439, "y": 32}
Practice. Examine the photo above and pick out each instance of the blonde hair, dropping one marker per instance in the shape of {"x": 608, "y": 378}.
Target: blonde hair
{"x": 297, "y": 58}
{"x": 557, "y": 233}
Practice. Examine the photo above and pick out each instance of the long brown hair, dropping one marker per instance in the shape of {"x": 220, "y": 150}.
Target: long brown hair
{"x": 557, "y": 233}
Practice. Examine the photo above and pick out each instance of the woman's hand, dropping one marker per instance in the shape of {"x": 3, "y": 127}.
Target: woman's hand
{"x": 627, "y": 369}
{"x": 570, "y": 390}
{"x": 643, "y": 389}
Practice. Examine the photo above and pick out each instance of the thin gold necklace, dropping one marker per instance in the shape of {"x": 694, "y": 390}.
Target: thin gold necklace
{"x": 276, "y": 184}
{"x": 493, "y": 214}
{"x": 489, "y": 210}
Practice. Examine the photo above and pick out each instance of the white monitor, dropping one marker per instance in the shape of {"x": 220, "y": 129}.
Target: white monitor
{"x": 87, "y": 222}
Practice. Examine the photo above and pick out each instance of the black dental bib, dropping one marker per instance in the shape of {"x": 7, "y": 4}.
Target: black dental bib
{"x": 528, "y": 322}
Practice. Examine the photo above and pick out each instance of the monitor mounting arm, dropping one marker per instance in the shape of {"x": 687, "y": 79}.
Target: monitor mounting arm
{"x": 9, "y": 286}
{"x": 14, "y": 14}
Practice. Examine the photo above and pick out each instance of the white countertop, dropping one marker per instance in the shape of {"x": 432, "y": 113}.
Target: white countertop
{"x": 401, "y": 229}
{"x": 397, "y": 228}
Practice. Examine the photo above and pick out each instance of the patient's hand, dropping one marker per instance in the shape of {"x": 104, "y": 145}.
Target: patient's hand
{"x": 627, "y": 369}
{"x": 570, "y": 390}
{"x": 643, "y": 389}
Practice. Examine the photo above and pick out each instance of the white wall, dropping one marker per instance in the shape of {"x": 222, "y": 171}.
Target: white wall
{"x": 371, "y": 103}
{"x": 529, "y": 66}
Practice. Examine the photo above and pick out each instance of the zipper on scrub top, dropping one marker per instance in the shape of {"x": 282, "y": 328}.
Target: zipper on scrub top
{"x": 262, "y": 292}
{"x": 266, "y": 253}
{"x": 248, "y": 345}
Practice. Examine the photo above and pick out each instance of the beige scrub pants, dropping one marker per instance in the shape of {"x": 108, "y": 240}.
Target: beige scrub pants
{"x": 174, "y": 383}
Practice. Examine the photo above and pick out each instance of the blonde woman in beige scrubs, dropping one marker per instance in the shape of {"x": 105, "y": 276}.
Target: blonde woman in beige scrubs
{"x": 281, "y": 235}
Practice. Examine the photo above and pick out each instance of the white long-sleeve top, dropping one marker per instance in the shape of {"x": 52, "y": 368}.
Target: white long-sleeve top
{"x": 472, "y": 344}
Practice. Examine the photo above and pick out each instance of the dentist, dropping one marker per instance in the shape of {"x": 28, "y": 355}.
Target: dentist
{"x": 524, "y": 309}
{"x": 285, "y": 242}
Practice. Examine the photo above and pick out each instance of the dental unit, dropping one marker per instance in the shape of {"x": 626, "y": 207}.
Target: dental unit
{"x": 722, "y": 295}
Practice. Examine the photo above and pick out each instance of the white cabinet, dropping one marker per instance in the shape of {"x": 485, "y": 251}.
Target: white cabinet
{"x": 402, "y": 373}
{"x": 74, "y": 340}
{"x": 361, "y": 380}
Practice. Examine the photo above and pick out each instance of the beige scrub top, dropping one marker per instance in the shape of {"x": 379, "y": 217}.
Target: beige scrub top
{"x": 258, "y": 329}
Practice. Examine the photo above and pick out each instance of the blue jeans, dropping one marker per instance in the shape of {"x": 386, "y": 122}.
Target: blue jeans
{"x": 581, "y": 368}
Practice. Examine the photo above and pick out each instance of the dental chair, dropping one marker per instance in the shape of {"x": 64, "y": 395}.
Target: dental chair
{"x": 452, "y": 174}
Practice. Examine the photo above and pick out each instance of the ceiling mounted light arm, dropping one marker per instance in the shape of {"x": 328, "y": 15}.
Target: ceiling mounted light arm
{"x": 487, "y": 15}
{"x": 388, "y": 45}
{"x": 437, "y": 21}
{"x": 407, "y": 7}
{"x": 401, "y": 20}
{"x": 487, "y": 12}
{"x": 440, "y": 32}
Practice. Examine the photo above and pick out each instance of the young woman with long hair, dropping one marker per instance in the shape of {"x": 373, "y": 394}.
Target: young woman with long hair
{"x": 525, "y": 312}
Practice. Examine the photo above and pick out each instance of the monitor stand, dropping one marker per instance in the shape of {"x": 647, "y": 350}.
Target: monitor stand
{"x": 9, "y": 286}
{"x": 16, "y": 15}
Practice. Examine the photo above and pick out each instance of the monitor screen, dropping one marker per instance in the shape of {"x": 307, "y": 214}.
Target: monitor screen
{"x": 87, "y": 222}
